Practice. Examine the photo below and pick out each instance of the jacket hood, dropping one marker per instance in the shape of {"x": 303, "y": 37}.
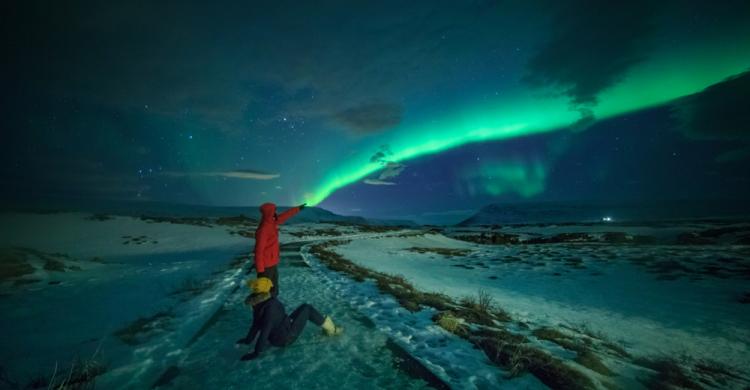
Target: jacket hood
{"x": 267, "y": 211}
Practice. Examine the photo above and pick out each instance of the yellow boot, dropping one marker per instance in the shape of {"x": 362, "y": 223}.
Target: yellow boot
{"x": 329, "y": 328}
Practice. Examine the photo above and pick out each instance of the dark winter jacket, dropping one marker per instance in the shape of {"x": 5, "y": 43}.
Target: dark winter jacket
{"x": 270, "y": 324}
{"x": 267, "y": 236}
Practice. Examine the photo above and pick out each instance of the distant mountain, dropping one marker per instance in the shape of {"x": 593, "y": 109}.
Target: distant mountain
{"x": 162, "y": 209}
{"x": 583, "y": 212}
{"x": 317, "y": 215}
{"x": 392, "y": 222}
{"x": 502, "y": 214}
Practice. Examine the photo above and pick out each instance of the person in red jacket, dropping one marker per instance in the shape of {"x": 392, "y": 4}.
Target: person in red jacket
{"x": 267, "y": 242}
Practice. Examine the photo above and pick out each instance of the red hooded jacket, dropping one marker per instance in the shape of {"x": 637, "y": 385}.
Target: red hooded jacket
{"x": 267, "y": 235}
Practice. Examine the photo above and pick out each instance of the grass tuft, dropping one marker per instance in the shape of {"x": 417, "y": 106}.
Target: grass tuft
{"x": 140, "y": 329}
{"x": 54, "y": 265}
{"x": 13, "y": 264}
{"x": 474, "y": 319}
{"x": 591, "y": 361}
{"x": 668, "y": 375}
{"x": 447, "y": 252}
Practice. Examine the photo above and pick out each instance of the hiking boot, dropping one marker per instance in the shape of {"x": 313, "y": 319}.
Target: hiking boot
{"x": 329, "y": 328}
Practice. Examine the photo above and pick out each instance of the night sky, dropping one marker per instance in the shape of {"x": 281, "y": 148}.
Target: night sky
{"x": 386, "y": 109}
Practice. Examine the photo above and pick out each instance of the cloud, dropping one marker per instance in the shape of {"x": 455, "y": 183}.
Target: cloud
{"x": 523, "y": 178}
{"x": 383, "y": 152}
{"x": 370, "y": 117}
{"x": 82, "y": 185}
{"x": 378, "y": 182}
{"x": 206, "y": 70}
{"x": 719, "y": 113}
{"x": 236, "y": 174}
{"x": 392, "y": 169}
{"x": 248, "y": 174}
{"x": 592, "y": 46}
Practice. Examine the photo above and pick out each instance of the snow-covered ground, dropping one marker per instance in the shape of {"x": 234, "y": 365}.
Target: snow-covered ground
{"x": 656, "y": 300}
{"x": 161, "y": 302}
{"x": 179, "y": 290}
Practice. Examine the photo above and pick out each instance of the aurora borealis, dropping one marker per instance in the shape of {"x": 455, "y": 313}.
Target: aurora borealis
{"x": 530, "y": 116}
{"x": 379, "y": 109}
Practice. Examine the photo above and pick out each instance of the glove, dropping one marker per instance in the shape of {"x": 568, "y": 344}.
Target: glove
{"x": 302, "y": 206}
{"x": 249, "y": 356}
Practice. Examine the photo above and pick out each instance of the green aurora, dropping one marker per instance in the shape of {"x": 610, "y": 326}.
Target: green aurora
{"x": 659, "y": 81}
{"x": 501, "y": 177}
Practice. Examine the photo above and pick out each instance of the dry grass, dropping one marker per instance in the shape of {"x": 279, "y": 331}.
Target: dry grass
{"x": 601, "y": 340}
{"x": 506, "y": 349}
{"x": 13, "y": 264}
{"x": 485, "y": 302}
{"x": 377, "y": 229}
{"x": 616, "y": 349}
{"x": 140, "y": 329}
{"x": 557, "y": 337}
{"x": 81, "y": 375}
{"x": 491, "y": 238}
{"x": 330, "y": 232}
{"x": 54, "y": 265}
{"x": 669, "y": 375}
{"x": 436, "y": 300}
{"x": 240, "y": 220}
{"x": 584, "y": 356}
{"x": 716, "y": 372}
{"x": 481, "y": 309}
{"x": 447, "y": 252}
{"x": 591, "y": 361}
{"x": 448, "y": 321}
{"x": 196, "y": 221}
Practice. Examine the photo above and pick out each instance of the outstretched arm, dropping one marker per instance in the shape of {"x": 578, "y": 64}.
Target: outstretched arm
{"x": 289, "y": 213}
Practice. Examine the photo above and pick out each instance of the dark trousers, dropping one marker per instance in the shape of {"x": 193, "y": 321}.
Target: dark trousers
{"x": 299, "y": 318}
{"x": 273, "y": 274}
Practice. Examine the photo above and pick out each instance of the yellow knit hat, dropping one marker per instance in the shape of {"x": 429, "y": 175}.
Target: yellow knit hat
{"x": 260, "y": 285}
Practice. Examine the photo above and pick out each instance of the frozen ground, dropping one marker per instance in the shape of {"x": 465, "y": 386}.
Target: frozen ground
{"x": 677, "y": 301}
{"x": 159, "y": 302}
{"x": 166, "y": 309}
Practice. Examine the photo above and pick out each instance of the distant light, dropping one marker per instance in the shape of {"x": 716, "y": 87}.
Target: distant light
{"x": 190, "y": 136}
{"x": 606, "y": 219}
